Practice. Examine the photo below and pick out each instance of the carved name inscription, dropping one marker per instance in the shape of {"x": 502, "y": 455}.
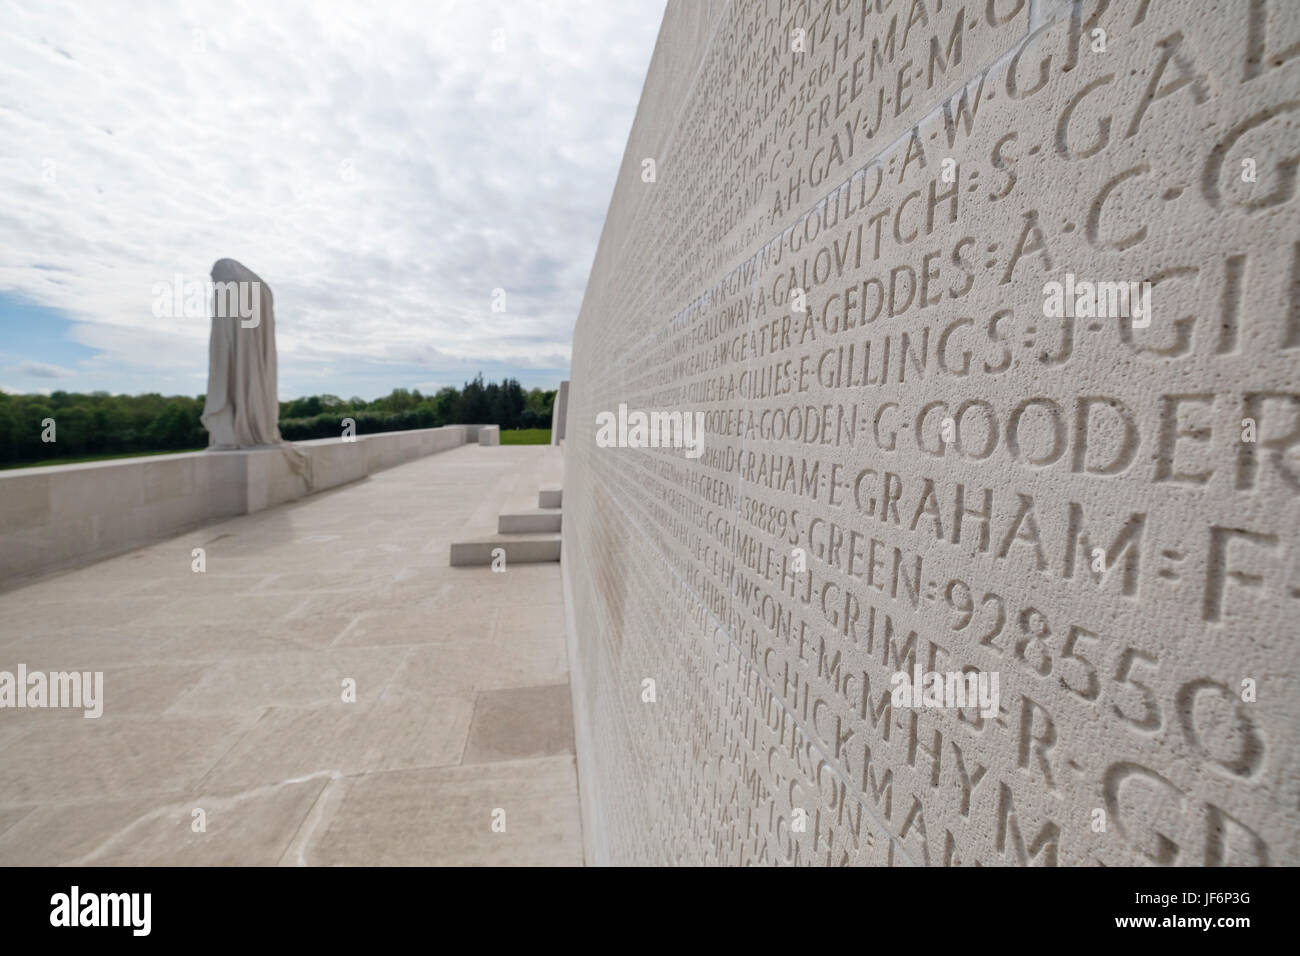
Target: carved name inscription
{"x": 991, "y": 310}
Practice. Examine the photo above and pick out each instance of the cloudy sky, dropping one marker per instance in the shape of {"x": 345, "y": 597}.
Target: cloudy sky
{"x": 384, "y": 166}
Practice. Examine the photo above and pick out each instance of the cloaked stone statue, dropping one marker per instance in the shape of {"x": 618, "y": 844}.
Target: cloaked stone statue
{"x": 242, "y": 408}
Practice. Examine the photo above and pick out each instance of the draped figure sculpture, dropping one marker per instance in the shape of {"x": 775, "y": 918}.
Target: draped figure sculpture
{"x": 242, "y": 409}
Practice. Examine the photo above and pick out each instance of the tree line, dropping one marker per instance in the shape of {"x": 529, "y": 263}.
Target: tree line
{"x": 98, "y": 423}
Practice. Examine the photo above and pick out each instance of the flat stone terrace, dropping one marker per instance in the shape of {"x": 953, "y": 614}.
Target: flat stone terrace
{"x": 224, "y": 690}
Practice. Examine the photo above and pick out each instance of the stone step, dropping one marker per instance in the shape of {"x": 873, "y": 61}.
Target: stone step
{"x": 519, "y": 549}
{"x": 550, "y": 496}
{"x": 530, "y": 522}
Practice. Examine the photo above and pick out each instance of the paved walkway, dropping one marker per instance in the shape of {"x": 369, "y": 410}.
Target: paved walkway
{"x": 224, "y": 690}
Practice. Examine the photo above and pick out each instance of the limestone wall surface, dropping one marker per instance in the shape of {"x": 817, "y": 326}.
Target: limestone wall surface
{"x": 879, "y": 247}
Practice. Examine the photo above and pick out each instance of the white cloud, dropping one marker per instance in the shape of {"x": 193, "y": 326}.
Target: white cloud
{"x": 43, "y": 370}
{"x": 376, "y": 163}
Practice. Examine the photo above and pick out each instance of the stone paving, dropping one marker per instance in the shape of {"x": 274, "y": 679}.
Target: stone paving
{"x": 224, "y": 690}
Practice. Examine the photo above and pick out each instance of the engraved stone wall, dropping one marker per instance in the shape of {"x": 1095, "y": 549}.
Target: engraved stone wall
{"x": 885, "y": 248}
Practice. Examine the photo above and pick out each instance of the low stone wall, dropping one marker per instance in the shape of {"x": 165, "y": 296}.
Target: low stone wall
{"x": 67, "y": 513}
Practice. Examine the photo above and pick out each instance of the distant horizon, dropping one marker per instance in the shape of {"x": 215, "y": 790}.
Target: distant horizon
{"x": 31, "y": 330}
{"x": 426, "y": 389}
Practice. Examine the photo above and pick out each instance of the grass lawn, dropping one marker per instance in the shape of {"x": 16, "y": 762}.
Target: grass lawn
{"x": 104, "y": 457}
{"x": 526, "y": 436}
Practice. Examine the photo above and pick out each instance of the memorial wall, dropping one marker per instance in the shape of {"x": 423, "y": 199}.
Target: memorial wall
{"x": 932, "y": 486}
